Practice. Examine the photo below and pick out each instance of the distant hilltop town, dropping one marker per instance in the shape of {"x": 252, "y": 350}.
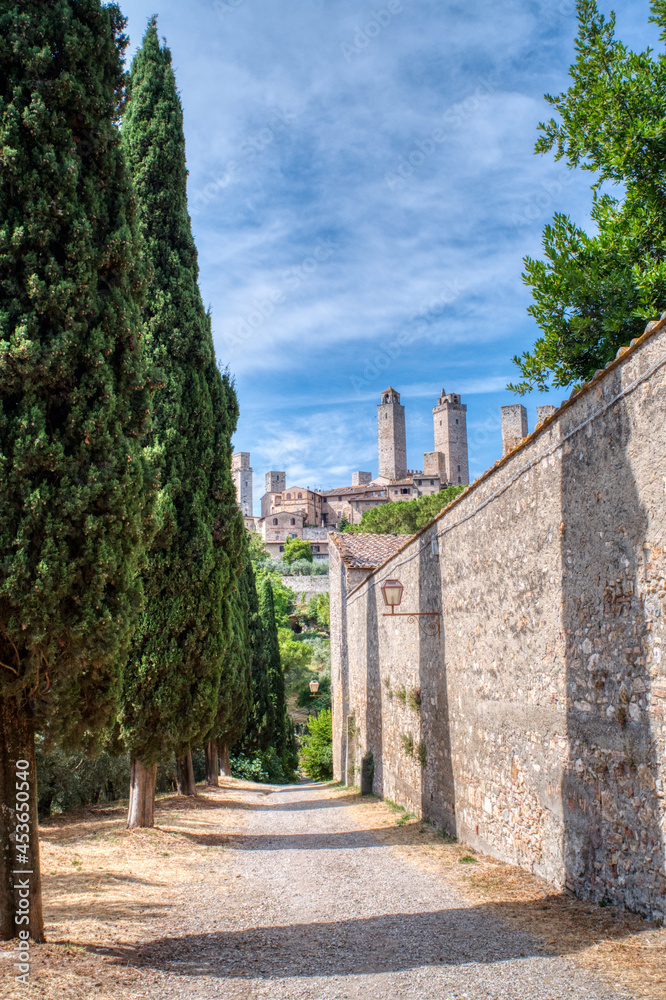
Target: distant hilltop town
{"x": 301, "y": 512}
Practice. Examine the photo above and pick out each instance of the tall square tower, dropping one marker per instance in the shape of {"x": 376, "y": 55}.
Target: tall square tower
{"x": 450, "y": 419}
{"x": 391, "y": 440}
{"x": 242, "y": 476}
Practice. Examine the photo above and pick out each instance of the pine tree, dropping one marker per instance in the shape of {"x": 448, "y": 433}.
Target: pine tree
{"x": 74, "y": 396}
{"x": 171, "y": 684}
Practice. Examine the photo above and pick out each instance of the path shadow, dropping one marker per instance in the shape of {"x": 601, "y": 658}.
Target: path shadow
{"x": 347, "y": 840}
{"x": 387, "y": 943}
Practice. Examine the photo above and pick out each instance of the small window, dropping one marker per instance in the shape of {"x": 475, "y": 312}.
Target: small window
{"x": 315, "y": 548}
{"x": 292, "y": 536}
{"x": 440, "y": 423}
{"x": 293, "y": 520}
{"x": 300, "y": 496}
{"x": 404, "y": 491}
{"x": 432, "y": 482}
{"x": 289, "y": 494}
{"x": 459, "y": 479}
{"x": 275, "y": 520}
{"x": 458, "y": 468}
{"x": 456, "y": 420}
{"x": 282, "y": 548}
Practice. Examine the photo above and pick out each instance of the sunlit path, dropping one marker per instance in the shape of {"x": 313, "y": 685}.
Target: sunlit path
{"x": 309, "y": 904}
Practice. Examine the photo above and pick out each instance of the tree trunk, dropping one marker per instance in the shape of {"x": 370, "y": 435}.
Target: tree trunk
{"x": 20, "y": 882}
{"x": 225, "y": 766}
{"x": 212, "y": 766}
{"x": 185, "y": 775}
{"x": 141, "y": 810}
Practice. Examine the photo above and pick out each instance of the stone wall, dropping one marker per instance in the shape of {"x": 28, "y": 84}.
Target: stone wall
{"x": 532, "y": 727}
{"x": 310, "y": 586}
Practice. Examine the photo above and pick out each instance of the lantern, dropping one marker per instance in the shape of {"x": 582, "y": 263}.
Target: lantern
{"x": 392, "y": 591}
{"x": 314, "y": 687}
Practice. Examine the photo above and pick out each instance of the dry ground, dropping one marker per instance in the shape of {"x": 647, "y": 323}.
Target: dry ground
{"x": 114, "y": 901}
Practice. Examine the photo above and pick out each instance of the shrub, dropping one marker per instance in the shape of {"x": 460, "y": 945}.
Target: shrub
{"x": 407, "y": 741}
{"x": 265, "y": 767}
{"x": 297, "y": 549}
{"x": 317, "y": 747}
{"x": 414, "y": 699}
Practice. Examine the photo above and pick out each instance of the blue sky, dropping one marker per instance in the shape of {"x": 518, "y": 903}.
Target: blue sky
{"x": 363, "y": 189}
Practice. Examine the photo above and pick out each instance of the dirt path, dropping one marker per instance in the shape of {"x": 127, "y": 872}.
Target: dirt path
{"x": 309, "y": 891}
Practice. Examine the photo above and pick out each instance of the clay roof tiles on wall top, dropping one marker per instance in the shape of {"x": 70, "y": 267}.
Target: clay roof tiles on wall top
{"x": 366, "y": 551}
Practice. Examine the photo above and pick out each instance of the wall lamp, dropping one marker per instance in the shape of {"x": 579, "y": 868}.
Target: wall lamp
{"x": 314, "y": 687}
{"x": 392, "y": 593}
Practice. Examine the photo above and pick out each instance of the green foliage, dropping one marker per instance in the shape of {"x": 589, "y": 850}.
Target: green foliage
{"x": 75, "y": 487}
{"x": 257, "y": 550}
{"x": 282, "y": 741}
{"x": 261, "y": 721}
{"x": 404, "y": 517}
{"x": 266, "y": 767}
{"x": 324, "y": 610}
{"x": 593, "y": 294}
{"x": 300, "y": 567}
{"x": 235, "y": 694}
{"x": 317, "y": 747}
{"x": 413, "y": 700}
{"x": 284, "y": 598}
{"x": 295, "y": 655}
{"x": 322, "y": 701}
{"x": 171, "y": 687}
{"x": 343, "y": 523}
{"x": 297, "y": 549}
{"x": 401, "y": 694}
{"x": 72, "y": 780}
{"x": 407, "y": 743}
{"x": 421, "y": 754}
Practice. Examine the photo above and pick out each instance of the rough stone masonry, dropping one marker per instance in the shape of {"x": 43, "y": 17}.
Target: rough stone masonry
{"x": 532, "y": 727}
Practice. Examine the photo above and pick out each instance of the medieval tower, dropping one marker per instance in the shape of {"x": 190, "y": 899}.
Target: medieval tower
{"x": 450, "y": 419}
{"x": 242, "y": 476}
{"x": 391, "y": 439}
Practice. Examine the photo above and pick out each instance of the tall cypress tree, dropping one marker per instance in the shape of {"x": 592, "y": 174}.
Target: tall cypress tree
{"x": 235, "y": 694}
{"x": 261, "y": 720}
{"x": 74, "y": 397}
{"x": 274, "y": 669}
{"x": 171, "y": 684}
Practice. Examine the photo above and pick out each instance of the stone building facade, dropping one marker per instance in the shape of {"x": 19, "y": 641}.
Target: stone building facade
{"x": 526, "y": 711}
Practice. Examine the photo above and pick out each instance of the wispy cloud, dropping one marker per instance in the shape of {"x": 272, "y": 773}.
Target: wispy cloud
{"x": 404, "y": 141}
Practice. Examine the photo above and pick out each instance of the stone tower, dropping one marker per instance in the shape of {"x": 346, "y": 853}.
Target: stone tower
{"x": 276, "y": 482}
{"x": 450, "y": 418}
{"x": 242, "y": 476}
{"x": 391, "y": 439}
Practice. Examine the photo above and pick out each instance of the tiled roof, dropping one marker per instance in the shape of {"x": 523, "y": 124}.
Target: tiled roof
{"x": 366, "y": 551}
{"x": 346, "y": 490}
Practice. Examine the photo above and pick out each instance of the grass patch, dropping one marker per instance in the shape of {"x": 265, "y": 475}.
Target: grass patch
{"x": 467, "y": 860}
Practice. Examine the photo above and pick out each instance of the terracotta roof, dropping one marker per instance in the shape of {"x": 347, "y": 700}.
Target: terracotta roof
{"x": 367, "y": 488}
{"x": 366, "y": 551}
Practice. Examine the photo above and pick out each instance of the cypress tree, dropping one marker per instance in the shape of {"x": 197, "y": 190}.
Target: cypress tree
{"x": 261, "y": 720}
{"x": 171, "y": 684}
{"x": 274, "y": 668}
{"x": 235, "y": 694}
{"x": 74, "y": 397}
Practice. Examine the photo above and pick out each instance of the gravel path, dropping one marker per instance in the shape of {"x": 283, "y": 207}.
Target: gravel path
{"x": 304, "y": 903}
